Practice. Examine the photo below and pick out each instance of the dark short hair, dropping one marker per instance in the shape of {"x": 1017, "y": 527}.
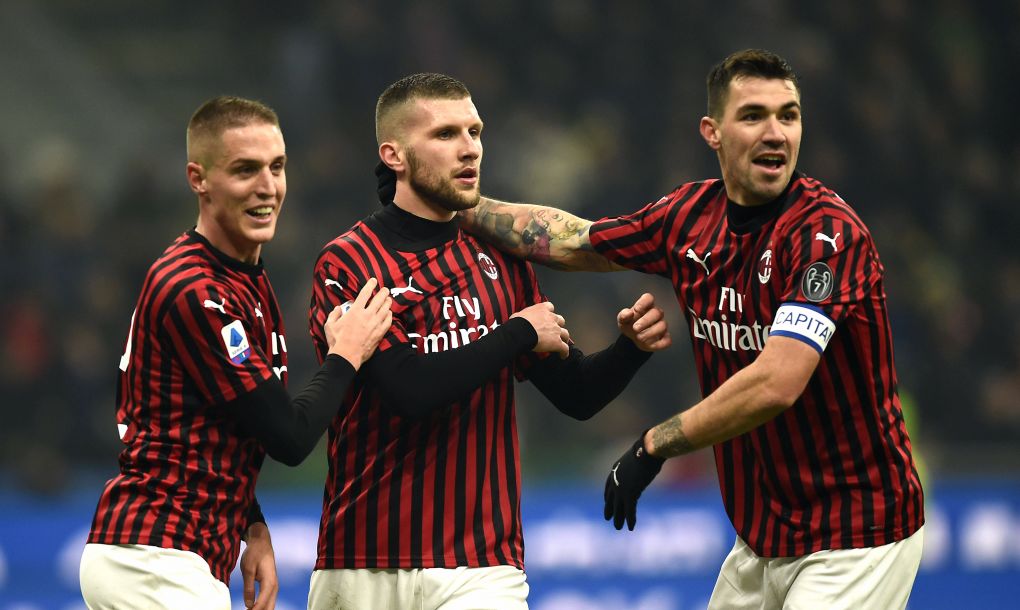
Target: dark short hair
{"x": 749, "y": 62}
{"x": 426, "y": 85}
{"x": 227, "y": 112}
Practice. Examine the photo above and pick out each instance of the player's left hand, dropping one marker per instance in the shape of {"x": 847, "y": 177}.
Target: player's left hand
{"x": 258, "y": 565}
{"x": 630, "y": 475}
{"x": 645, "y": 324}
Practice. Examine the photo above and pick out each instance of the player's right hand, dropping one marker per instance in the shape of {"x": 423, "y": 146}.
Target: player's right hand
{"x": 354, "y": 335}
{"x": 552, "y": 334}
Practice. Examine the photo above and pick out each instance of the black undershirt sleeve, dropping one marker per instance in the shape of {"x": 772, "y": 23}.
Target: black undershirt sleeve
{"x": 580, "y": 386}
{"x": 290, "y": 429}
{"x": 254, "y": 516}
{"x": 413, "y": 385}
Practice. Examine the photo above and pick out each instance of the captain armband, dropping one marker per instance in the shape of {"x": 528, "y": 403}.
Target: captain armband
{"x": 806, "y": 323}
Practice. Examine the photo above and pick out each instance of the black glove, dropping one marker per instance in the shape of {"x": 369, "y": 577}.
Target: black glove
{"x": 628, "y": 478}
{"x": 386, "y": 183}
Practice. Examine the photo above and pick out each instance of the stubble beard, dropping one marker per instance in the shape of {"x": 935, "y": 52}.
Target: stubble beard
{"x": 433, "y": 189}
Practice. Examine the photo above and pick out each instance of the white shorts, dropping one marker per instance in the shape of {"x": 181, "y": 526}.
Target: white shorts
{"x": 118, "y": 576}
{"x": 493, "y": 588}
{"x": 877, "y": 578}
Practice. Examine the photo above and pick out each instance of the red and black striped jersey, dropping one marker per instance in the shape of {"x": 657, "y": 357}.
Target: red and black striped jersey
{"x": 206, "y": 329}
{"x": 835, "y": 470}
{"x": 441, "y": 490}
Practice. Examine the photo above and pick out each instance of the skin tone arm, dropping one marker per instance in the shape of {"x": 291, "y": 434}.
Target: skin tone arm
{"x": 755, "y": 395}
{"x": 540, "y": 234}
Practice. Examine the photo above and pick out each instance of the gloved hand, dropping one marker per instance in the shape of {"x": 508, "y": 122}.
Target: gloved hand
{"x": 628, "y": 478}
{"x": 386, "y": 183}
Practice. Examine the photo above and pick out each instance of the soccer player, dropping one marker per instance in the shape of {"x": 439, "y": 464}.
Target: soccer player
{"x": 782, "y": 288}
{"x": 421, "y": 507}
{"x": 201, "y": 397}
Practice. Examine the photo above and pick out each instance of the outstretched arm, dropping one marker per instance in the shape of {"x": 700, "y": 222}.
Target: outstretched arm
{"x": 757, "y": 393}
{"x": 540, "y": 234}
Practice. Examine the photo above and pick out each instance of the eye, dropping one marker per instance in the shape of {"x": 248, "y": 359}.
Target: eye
{"x": 277, "y": 168}
{"x": 445, "y": 134}
{"x": 475, "y": 133}
{"x": 751, "y": 117}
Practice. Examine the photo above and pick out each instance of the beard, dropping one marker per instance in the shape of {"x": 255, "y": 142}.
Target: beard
{"x": 433, "y": 189}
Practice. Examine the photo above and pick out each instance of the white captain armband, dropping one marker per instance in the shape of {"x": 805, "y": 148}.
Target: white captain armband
{"x": 804, "y": 322}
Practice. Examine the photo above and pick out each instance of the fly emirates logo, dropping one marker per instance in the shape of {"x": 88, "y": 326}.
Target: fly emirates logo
{"x": 726, "y": 334}
{"x": 456, "y": 334}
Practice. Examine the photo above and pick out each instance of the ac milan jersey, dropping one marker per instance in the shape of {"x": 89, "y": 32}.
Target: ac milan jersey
{"x": 835, "y": 469}
{"x": 206, "y": 329}
{"x": 442, "y": 490}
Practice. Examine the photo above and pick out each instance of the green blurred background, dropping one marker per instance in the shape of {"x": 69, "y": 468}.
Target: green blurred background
{"x": 909, "y": 113}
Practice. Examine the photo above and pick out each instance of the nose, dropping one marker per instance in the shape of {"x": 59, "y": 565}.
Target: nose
{"x": 774, "y": 133}
{"x": 472, "y": 148}
{"x": 265, "y": 186}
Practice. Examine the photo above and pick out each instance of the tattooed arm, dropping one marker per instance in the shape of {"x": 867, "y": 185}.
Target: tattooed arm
{"x": 540, "y": 234}
{"x": 755, "y": 395}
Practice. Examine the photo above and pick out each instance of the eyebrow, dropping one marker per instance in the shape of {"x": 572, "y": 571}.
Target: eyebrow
{"x": 786, "y": 106}
{"x": 456, "y": 126}
{"x": 248, "y": 161}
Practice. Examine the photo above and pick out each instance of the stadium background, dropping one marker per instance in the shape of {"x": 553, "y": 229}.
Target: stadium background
{"x": 909, "y": 112}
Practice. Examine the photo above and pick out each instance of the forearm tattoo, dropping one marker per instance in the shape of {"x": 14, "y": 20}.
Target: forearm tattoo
{"x": 542, "y": 235}
{"x": 669, "y": 440}
{"x": 558, "y": 226}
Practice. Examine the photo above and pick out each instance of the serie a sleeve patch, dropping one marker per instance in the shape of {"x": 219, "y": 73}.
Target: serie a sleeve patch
{"x": 234, "y": 337}
{"x": 804, "y": 322}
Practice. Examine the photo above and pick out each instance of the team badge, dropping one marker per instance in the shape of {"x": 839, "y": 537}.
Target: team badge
{"x": 765, "y": 267}
{"x": 487, "y": 265}
{"x": 817, "y": 282}
{"x": 238, "y": 349}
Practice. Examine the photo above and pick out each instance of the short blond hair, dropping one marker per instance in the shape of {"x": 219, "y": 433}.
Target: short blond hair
{"x": 219, "y": 114}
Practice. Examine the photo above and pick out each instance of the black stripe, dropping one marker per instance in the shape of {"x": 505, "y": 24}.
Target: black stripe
{"x": 483, "y": 457}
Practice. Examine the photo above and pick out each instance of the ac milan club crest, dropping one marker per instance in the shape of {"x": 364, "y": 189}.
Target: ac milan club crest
{"x": 765, "y": 267}
{"x": 487, "y": 265}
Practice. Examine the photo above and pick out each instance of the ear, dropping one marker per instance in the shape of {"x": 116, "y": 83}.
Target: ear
{"x": 710, "y": 132}
{"x": 392, "y": 154}
{"x": 196, "y": 178}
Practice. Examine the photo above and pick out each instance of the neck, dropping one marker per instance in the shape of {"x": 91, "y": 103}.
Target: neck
{"x": 245, "y": 251}
{"x": 410, "y": 201}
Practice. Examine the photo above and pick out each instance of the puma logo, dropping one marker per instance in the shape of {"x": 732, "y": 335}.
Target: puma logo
{"x": 329, "y": 282}
{"x": 831, "y": 240}
{"x": 399, "y": 291}
{"x": 616, "y": 466}
{"x": 209, "y": 304}
{"x": 703, "y": 262}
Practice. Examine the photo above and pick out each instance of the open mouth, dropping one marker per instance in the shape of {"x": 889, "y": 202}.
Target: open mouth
{"x": 468, "y": 173}
{"x": 771, "y": 162}
{"x": 261, "y": 213}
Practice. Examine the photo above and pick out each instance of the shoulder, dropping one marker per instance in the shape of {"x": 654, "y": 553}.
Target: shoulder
{"x": 813, "y": 202}
{"x": 183, "y": 267}
{"x": 699, "y": 192}
{"x": 349, "y": 243}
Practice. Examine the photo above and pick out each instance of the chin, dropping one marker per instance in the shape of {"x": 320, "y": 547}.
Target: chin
{"x": 262, "y": 235}
{"x": 461, "y": 203}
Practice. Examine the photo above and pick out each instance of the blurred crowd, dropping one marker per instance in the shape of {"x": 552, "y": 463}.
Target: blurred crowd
{"x": 591, "y": 106}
